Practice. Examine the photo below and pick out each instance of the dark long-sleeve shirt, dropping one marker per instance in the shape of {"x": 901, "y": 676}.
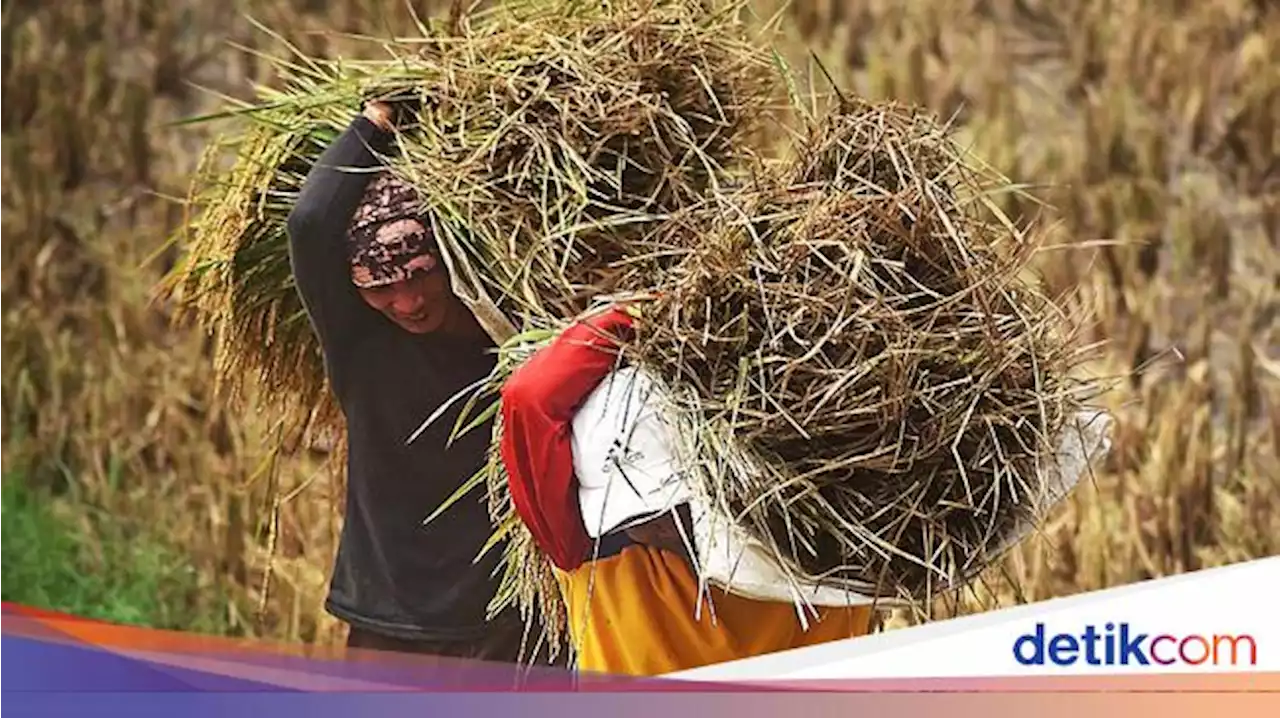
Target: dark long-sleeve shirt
{"x": 393, "y": 574}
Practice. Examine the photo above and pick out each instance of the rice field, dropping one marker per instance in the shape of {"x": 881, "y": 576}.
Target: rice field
{"x": 1148, "y": 132}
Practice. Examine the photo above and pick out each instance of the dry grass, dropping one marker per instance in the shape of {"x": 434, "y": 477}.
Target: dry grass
{"x": 1151, "y": 124}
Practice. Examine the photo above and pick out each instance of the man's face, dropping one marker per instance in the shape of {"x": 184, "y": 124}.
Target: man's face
{"x": 421, "y": 304}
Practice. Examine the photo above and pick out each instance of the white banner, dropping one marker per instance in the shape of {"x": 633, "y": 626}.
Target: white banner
{"x": 1216, "y": 620}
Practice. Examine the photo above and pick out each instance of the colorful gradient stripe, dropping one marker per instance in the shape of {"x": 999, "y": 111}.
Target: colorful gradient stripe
{"x": 60, "y": 664}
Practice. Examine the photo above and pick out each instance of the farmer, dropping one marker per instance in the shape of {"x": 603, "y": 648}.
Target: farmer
{"x": 626, "y": 574}
{"x": 397, "y": 344}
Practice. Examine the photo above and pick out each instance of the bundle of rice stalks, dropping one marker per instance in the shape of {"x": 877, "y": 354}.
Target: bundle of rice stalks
{"x": 864, "y": 373}
{"x": 237, "y": 280}
{"x": 541, "y": 136}
{"x": 868, "y": 336}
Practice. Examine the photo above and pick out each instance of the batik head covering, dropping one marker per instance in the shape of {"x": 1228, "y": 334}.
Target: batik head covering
{"x": 388, "y": 239}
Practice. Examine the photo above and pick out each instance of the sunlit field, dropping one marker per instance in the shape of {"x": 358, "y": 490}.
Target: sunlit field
{"x": 1147, "y": 136}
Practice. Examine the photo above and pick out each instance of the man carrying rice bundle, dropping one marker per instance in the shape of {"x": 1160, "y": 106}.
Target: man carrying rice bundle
{"x": 654, "y": 579}
{"x": 845, "y": 395}
{"x": 544, "y": 137}
{"x": 395, "y": 339}
{"x": 635, "y": 602}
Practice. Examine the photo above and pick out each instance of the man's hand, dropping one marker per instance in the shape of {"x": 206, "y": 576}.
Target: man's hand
{"x": 381, "y": 115}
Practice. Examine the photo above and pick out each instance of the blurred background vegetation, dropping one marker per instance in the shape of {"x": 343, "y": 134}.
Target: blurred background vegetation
{"x": 1149, "y": 128}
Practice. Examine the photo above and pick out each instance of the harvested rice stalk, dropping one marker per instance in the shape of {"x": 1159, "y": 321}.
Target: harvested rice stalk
{"x": 543, "y": 136}
{"x": 238, "y": 283}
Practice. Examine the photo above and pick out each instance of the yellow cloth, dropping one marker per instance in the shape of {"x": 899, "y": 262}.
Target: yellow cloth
{"x": 639, "y": 618}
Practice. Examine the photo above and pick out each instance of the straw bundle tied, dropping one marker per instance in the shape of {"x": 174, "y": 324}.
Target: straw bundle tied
{"x": 863, "y": 373}
{"x": 540, "y": 135}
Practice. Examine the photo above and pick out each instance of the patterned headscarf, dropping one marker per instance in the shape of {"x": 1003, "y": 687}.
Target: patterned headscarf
{"x": 388, "y": 241}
